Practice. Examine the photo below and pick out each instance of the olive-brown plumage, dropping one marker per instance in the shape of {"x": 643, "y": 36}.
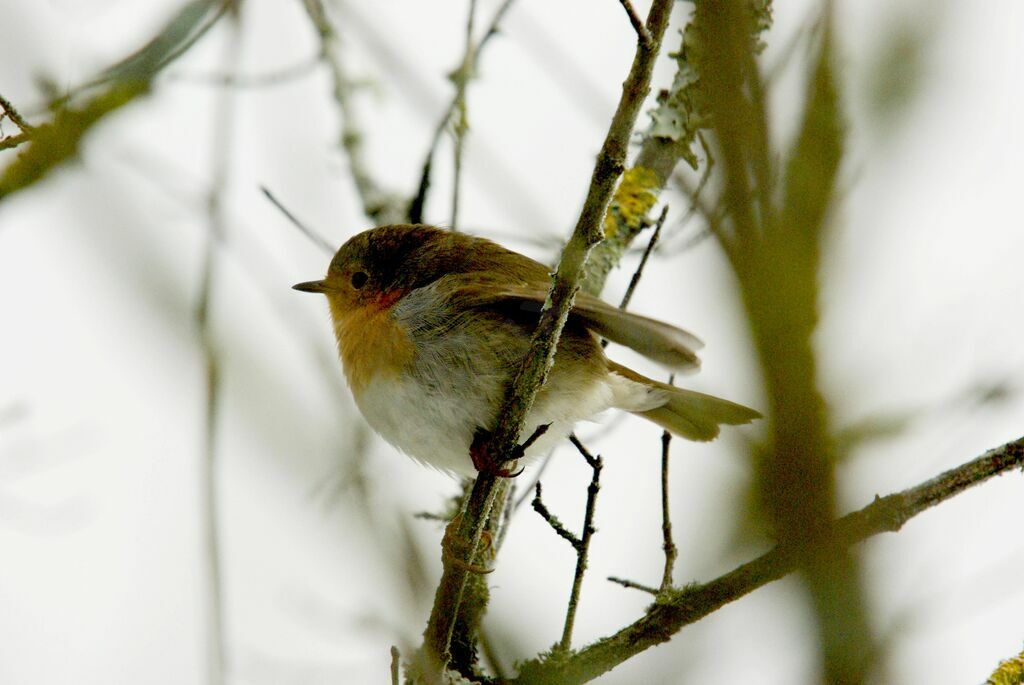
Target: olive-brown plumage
{"x": 431, "y": 325}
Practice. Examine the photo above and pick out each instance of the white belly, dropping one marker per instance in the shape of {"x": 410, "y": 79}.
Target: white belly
{"x": 438, "y": 429}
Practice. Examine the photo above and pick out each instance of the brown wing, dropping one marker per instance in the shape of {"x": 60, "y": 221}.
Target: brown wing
{"x": 656, "y": 340}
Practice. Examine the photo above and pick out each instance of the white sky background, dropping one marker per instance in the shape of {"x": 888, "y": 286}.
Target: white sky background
{"x": 101, "y": 376}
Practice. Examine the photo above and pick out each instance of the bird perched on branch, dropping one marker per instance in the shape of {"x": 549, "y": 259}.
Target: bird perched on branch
{"x": 432, "y": 325}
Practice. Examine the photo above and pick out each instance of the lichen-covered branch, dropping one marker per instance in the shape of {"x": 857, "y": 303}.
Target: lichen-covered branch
{"x": 676, "y": 122}
{"x": 676, "y": 609}
{"x": 522, "y": 391}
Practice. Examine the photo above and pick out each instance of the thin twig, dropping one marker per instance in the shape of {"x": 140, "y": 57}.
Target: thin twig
{"x": 379, "y": 205}
{"x": 15, "y": 116}
{"x": 595, "y": 464}
{"x": 270, "y": 78}
{"x": 462, "y": 77}
{"x": 668, "y": 545}
{"x": 223, "y": 125}
{"x": 538, "y": 506}
{"x": 313, "y": 236}
{"x": 632, "y": 584}
{"x": 638, "y": 25}
{"x": 635, "y": 280}
{"x": 419, "y": 201}
{"x": 680, "y": 608}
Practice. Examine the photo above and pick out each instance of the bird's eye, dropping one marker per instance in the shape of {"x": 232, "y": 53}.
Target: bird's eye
{"x": 359, "y": 279}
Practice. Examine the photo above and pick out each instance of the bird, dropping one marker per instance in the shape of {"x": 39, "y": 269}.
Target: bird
{"x": 431, "y": 325}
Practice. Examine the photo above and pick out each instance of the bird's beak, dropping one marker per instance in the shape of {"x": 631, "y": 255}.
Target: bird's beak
{"x": 311, "y": 287}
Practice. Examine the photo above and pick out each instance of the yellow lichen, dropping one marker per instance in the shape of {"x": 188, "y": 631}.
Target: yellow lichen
{"x": 636, "y": 194}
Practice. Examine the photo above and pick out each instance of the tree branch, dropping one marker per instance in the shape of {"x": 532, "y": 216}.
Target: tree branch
{"x": 676, "y": 122}
{"x": 521, "y": 392}
{"x": 678, "y": 608}
{"x": 419, "y": 201}
{"x": 379, "y": 205}
{"x": 596, "y": 465}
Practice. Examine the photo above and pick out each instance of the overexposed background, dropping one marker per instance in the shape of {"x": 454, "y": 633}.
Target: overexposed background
{"x": 102, "y": 387}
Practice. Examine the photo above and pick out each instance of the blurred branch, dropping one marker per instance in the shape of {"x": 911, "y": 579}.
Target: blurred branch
{"x": 678, "y": 608}
{"x": 304, "y": 228}
{"x": 461, "y": 78}
{"x": 419, "y": 201}
{"x": 773, "y": 241}
{"x": 258, "y": 80}
{"x": 11, "y": 113}
{"x": 395, "y": 659}
{"x": 380, "y": 206}
{"x": 521, "y": 392}
{"x": 58, "y": 140}
{"x": 223, "y": 127}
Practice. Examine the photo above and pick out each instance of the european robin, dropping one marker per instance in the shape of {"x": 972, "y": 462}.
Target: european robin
{"x": 431, "y": 325}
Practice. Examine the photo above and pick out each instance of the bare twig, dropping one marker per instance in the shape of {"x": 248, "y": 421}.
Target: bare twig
{"x": 635, "y": 280}
{"x": 11, "y": 113}
{"x": 224, "y": 125}
{"x": 638, "y": 25}
{"x": 675, "y": 609}
{"x": 632, "y": 584}
{"x": 461, "y": 78}
{"x": 580, "y": 544}
{"x": 595, "y": 464}
{"x": 668, "y": 545}
{"x": 522, "y": 391}
{"x": 552, "y": 520}
{"x": 379, "y": 205}
{"x": 419, "y": 201}
{"x": 313, "y": 236}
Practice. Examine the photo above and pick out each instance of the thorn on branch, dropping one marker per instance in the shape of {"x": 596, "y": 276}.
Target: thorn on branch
{"x": 634, "y": 585}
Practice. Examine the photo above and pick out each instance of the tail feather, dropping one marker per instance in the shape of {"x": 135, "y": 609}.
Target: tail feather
{"x": 687, "y": 413}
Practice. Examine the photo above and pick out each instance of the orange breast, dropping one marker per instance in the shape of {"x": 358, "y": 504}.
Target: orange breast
{"x": 370, "y": 343}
